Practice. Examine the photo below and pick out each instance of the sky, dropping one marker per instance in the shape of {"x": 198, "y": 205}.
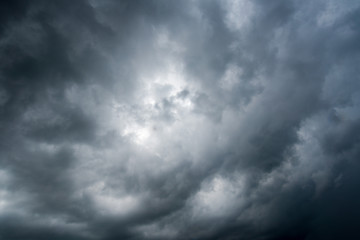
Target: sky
{"x": 179, "y": 120}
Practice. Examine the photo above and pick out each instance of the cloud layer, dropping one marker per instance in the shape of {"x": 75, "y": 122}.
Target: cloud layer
{"x": 227, "y": 119}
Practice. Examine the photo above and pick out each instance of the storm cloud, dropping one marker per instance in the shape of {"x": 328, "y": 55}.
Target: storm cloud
{"x": 194, "y": 119}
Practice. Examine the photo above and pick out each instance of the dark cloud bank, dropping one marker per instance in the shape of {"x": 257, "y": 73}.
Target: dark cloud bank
{"x": 179, "y": 119}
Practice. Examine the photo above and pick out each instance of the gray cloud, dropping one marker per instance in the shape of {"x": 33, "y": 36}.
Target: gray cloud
{"x": 179, "y": 119}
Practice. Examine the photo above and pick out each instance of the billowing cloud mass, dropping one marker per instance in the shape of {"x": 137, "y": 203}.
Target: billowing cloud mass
{"x": 194, "y": 119}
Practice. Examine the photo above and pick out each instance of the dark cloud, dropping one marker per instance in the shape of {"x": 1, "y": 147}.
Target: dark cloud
{"x": 227, "y": 119}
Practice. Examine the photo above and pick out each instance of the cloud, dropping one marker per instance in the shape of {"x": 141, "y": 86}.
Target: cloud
{"x": 219, "y": 119}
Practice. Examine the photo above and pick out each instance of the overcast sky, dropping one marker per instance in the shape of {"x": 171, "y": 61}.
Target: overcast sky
{"x": 176, "y": 120}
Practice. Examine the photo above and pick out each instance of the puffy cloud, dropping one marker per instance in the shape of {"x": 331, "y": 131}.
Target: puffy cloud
{"x": 228, "y": 119}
